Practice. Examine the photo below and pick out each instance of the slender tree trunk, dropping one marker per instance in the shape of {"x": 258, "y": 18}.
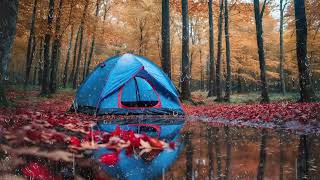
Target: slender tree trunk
{"x": 76, "y": 75}
{"x": 259, "y": 32}
{"x": 46, "y": 63}
{"x": 66, "y": 66}
{"x": 30, "y": 42}
{"x": 239, "y": 81}
{"x": 40, "y": 62}
{"x": 219, "y": 54}
{"x": 262, "y": 156}
{"x": 55, "y": 58}
{"x": 201, "y": 71}
{"x": 87, "y": 69}
{"x": 212, "y": 72}
{"x": 282, "y": 83}
{"x": 228, "y": 56}
{"x": 8, "y": 20}
{"x": 74, "y": 62}
{"x": 306, "y": 91}
{"x": 185, "y": 79}
{"x": 33, "y": 51}
{"x": 165, "y": 38}
{"x": 85, "y": 60}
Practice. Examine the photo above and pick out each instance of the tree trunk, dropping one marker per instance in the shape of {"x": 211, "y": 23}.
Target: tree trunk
{"x": 165, "y": 38}
{"x": 74, "y": 62}
{"x": 30, "y": 42}
{"x": 66, "y": 66}
{"x": 40, "y": 63}
{"x": 76, "y": 75}
{"x": 8, "y": 20}
{"x": 87, "y": 69}
{"x": 239, "y": 87}
{"x": 262, "y": 155}
{"x": 85, "y": 60}
{"x": 306, "y": 91}
{"x": 46, "y": 60}
{"x": 212, "y": 70}
{"x": 259, "y": 32}
{"x": 55, "y": 58}
{"x": 219, "y": 54}
{"x": 282, "y": 83}
{"x": 33, "y": 51}
{"x": 228, "y": 56}
{"x": 185, "y": 78}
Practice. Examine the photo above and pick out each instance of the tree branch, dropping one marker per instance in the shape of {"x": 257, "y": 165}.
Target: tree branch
{"x": 263, "y": 8}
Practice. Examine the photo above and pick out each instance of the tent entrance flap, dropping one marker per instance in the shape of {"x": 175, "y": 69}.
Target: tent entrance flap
{"x": 138, "y": 92}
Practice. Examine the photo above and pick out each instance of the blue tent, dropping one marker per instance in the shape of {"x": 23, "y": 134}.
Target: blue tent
{"x": 128, "y": 84}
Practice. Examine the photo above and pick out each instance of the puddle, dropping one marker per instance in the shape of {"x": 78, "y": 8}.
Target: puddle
{"x": 202, "y": 150}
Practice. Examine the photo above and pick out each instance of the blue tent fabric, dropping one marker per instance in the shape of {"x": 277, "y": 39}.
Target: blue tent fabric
{"x": 127, "y": 84}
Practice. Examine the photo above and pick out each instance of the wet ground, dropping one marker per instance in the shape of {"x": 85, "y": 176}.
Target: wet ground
{"x": 203, "y": 151}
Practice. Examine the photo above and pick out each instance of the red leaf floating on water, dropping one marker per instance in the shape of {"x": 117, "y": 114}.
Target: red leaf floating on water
{"x": 109, "y": 159}
{"x": 37, "y": 172}
{"x": 117, "y": 131}
{"x": 75, "y": 141}
{"x": 155, "y": 142}
{"x": 172, "y": 145}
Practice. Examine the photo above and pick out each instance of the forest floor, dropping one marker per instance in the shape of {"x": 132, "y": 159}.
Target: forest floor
{"x": 41, "y": 123}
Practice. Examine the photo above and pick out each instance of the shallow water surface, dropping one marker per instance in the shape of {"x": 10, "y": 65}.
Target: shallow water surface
{"x": 202, "y": 150}
{"x": 208, "y": 151}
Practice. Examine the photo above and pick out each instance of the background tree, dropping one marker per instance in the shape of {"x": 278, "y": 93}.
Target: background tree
{"x": 258, "y": 14}
{"x": 31, "y": 42}
{"x": 306, "y": 91}
{"x": 281, "y": 69}
{"x": 93, "y": 41}
{"x": 55, "y": 58}
{"x": 46, "y": 60}
{"x": 219, "y": 53}
{"x": 212, "y": 74}
{"x": 81, "y": 29}
{"x": 8, "y": 20}
{"x": 228, "y": 56}
{"x": 165, "y": 38}
{"x": 185, "y": 77}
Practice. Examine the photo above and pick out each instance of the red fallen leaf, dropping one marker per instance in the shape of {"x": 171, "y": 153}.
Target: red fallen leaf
{"x": 117, "y": 131}
{"x": 37, "y": 172}
{"x": 172, "y": 145}
{"x": 93, "y": 134}
{"x": 129, "y": 151}
{"x": 155, "y": 143}
{"x": 33, "y": 135}
{"x": 127, "y": 135}
{"x": 109, "y": 159}
{"x": 105, "y": 138}
{"x": 75, "y": 141}
{"x": 58, "y": 137}
{"x": 135, "y": 142}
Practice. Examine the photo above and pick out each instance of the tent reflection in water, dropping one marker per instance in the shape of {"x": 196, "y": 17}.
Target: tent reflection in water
{"x": 151, "y": 164}
{"x": 128, "y": 84}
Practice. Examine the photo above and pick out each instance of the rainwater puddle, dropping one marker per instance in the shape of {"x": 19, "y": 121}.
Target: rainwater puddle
{"x": 202, "y": 150}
